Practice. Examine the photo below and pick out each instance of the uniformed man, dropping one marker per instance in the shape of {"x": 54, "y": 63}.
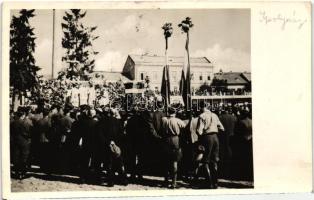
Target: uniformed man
{"x": 171, "y": 128}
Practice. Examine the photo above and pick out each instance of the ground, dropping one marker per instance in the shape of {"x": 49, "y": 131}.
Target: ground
{"x": 40, "y": 182}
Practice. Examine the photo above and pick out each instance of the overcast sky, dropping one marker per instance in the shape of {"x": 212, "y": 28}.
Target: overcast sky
{"x": 222, "y": 35}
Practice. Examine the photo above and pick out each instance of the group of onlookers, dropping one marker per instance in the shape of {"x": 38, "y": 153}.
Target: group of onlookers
{"x": 94, "y": 143}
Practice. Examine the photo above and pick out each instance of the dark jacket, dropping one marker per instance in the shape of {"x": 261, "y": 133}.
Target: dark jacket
{"x": 86, "y": 131}
{"x": 244, "y": 129}
{"x": 109, "y": 129}
{"x": 20, "y": 132}
{"x": 228, "y": 121}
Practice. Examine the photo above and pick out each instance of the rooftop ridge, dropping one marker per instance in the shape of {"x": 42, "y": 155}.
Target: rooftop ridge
{"x": 168, "y": 56}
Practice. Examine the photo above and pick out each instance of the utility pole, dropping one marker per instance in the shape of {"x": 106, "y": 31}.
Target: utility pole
{"x": 53, "y": 44}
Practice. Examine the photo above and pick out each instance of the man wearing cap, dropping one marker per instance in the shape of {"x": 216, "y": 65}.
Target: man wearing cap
{"x": 170, "y": 129}
{"x": 207, "y": 129}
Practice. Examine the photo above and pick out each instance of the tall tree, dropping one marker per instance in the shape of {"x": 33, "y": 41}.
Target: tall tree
{"x": 77, "y": 40}
{"x": 23, "y": 71}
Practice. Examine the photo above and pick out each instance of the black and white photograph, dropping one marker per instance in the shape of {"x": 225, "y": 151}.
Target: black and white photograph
{"x": 130, "y": 99}
{"x": 155, "y": 99}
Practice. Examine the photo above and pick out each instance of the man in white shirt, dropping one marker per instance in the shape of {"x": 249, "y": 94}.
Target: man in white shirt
{"x": 207, "y": 129}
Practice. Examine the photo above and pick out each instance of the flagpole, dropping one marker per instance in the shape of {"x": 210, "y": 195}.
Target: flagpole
{"x": 188, "y": 78}
{"x": 165, "y": 82}
{"x": 166, "y": 69}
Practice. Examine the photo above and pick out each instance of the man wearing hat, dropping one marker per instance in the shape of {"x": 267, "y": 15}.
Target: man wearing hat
{"x": 207, "y": 129}
{"x": 170, "y": 129}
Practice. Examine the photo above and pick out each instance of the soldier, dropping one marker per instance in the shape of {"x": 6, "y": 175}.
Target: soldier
{"x": 171, "y": 128}
{"x": 21, "y": 141}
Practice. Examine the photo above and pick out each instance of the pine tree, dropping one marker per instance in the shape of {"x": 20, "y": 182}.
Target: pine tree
{"x": 23, "y": 71}
{"x": 77, "y": 40}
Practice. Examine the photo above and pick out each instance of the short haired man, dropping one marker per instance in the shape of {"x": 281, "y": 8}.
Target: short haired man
{"x": 207, "y": 129}
{"x": 171, "y": 128}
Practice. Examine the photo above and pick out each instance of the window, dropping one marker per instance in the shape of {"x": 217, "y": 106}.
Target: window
{"x": 208, "y": 78}
{"x": 142, "y": 76}
{"x": 201, "y": 77}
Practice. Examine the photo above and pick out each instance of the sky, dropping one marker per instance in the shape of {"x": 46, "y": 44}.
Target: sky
{"x": 221, "y": 35}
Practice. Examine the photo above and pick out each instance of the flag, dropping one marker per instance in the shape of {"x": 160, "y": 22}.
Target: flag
{"x": 185, "y": 83}
{"x": 165, "y": 87}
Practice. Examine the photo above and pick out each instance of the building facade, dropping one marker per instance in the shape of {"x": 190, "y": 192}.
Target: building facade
{"x": 141, "y": 67}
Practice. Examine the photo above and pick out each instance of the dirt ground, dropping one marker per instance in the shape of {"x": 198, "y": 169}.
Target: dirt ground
{"x": 40, "y": 182}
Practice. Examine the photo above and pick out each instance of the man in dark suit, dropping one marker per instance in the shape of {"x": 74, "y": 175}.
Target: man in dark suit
{"x": 109, "y": 132}
{"x": 134, "y": 139}
{"x": 86, "y": 134}
{"x": 225, "y": 153}
{"x": 243, "y": 146}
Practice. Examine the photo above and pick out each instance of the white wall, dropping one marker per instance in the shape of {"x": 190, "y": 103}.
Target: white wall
{"x": 155, "y": 75}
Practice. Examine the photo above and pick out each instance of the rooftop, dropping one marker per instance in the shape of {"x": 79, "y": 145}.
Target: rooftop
{"x": 234, "y": 78}
{"x": 247, "y": 76}
{"x": 109, "y": 76}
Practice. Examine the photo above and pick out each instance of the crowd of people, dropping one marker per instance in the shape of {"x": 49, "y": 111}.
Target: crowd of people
{"x": 96, "y": 141}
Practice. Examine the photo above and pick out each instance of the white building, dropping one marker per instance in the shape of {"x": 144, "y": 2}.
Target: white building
{"x": 138, "y": 67}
